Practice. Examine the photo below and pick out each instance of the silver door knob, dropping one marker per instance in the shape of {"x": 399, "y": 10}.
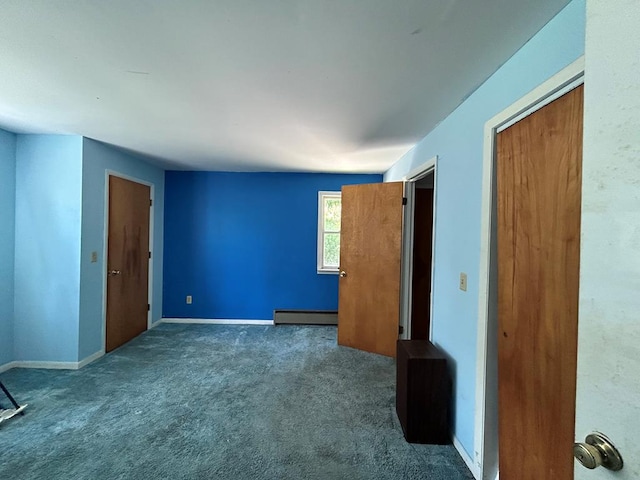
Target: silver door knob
{"x": 598, "y": 450}
{"x": 112, "y": 273}
{"x": 343, "y": 273}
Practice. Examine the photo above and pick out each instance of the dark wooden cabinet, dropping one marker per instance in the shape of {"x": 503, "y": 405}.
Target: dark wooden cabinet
{"x": 423, "y": 392}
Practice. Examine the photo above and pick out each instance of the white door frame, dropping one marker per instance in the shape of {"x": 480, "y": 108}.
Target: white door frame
{"x": 486, "y": 426}
{"x": 105, "y": 251}
{"x": 408, "y": 222}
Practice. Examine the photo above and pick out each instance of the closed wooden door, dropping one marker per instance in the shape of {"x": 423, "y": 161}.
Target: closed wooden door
{"x": 370, "y": 255}
{"x": 127, "y": 261}
{"x": 539, "y": 192}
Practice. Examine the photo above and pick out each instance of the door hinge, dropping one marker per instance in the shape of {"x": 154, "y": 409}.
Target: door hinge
{"x": 149, "y": 254}
{"x": 150, "y": 202}
{"x": 148, "y": 307}
{"x": 400, "y": 329}
{"x": 404, "y": 200}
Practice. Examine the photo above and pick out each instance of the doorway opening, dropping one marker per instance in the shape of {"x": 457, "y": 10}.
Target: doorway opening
{"x": 417, "y": 255}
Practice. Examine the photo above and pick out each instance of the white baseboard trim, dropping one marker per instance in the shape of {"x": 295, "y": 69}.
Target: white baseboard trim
{"x": 47, "y": 365}
{"x": 52, "y": 365}
{"x": 7, "y": 366}
{"x": 218, "y": 321}
{"x": 90, "y": 358}
{"x": 475, "y": 470}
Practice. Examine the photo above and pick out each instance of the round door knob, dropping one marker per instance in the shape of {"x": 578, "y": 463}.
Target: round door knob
{"x": 114, "y": 272}
{"x": 343, "y": 273}
{"x": 598, "y": 450}
{"x": 588, "y": 455}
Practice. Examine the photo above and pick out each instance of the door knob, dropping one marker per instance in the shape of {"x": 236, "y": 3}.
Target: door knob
{"x": 112, "y": 273}
{"x": 598, "y": 450}
{"x": 343, "y": 273}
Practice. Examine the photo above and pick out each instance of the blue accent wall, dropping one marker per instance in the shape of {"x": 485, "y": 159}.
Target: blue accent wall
{"x": 7, "y": 242}
{"x": 458, "y": 142}
{"x": 47, "y": 247}
{"x": 244, "y": 244}
{"x": 99, "y": 158}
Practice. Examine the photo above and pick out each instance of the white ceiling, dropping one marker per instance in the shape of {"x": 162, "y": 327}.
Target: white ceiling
{"x": 253, "y": 85}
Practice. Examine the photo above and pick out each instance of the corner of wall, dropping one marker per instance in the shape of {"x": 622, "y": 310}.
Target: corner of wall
{"x": 7, "y": 244}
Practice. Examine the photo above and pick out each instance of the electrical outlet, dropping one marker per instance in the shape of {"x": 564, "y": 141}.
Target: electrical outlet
{"x": 463, "y": 281}
{"x": 189, "y": 299}
{"x": 94, "y": 257}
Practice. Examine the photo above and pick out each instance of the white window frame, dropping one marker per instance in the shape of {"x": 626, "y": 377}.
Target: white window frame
{"x": 322, "y": 195}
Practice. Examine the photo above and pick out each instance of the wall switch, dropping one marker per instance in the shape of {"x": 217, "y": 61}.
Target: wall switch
{"x": 189, "y": 299}
{"x": 463, "y": 281}
{"x": 94, "y": 257}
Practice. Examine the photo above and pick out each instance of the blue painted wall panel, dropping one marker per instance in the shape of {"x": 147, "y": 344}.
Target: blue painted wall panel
{"x": 458, "y": 142}
{"x": 97, "y": 159}
{"x": 7, "y": 242}
{"x": 244, "y": 244}
{"x": 47, "y": 248}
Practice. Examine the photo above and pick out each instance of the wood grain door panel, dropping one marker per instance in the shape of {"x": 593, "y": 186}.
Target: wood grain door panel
{"x": 539, "y": 193}
{"x": 370, "y": 254}
{"x": 128, "y": 254}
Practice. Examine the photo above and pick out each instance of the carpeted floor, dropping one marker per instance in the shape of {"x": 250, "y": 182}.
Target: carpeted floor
{"x": 218, "y": 402}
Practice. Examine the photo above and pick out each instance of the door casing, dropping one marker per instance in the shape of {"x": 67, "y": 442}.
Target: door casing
{"x": 109, "y": 173}
{"x": 485, "y": 459}
{"x": 427, "y": 168}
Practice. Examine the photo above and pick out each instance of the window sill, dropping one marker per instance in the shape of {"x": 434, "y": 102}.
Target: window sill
{"x": 326, "y": 271}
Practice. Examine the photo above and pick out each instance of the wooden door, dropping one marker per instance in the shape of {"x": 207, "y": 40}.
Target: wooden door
{"x": 539, "y": 192}
{"x": 127, "y": 261}
{"x": 422, "y": 251}
{"x": 370, "y": 256}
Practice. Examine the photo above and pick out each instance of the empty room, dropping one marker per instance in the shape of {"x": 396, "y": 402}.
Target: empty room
{"x": 319, "y": 239}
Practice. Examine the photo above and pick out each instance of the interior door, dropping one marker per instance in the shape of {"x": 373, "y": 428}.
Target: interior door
{"x": 539, "y": 193}
{"x": 370, "y": 257}
{"x": 127, "y": 261}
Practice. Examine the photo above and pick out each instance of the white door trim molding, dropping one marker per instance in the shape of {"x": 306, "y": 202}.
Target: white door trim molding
{"x": 105, "y": 249}
{"x": 485, "y": 439}
{"x": 408, "y": 221}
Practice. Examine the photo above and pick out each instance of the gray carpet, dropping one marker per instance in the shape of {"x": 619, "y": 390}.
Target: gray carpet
{"x": 218, "y": 402}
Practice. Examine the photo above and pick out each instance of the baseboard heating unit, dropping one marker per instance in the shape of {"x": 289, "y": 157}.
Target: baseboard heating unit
{"x": 305, "y": 317}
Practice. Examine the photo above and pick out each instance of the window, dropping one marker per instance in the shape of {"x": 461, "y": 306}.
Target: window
{"x": 329, "y": 209}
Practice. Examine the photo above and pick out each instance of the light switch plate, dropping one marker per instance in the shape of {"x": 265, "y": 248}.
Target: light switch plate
{"x": 189, "y": 299}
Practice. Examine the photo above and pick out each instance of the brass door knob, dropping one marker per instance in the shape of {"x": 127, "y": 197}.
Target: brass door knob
{"x": 596, "y": 451}
{"x": 343, "y": 273}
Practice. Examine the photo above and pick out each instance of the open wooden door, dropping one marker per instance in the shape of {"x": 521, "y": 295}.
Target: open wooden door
{"x": 370, "y": 259}
{"x": 127, "y": 261}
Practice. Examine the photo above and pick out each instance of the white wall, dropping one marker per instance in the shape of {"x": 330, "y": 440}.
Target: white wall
{"x": 458, "y": 143}
{"x": 609, "y": 322}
